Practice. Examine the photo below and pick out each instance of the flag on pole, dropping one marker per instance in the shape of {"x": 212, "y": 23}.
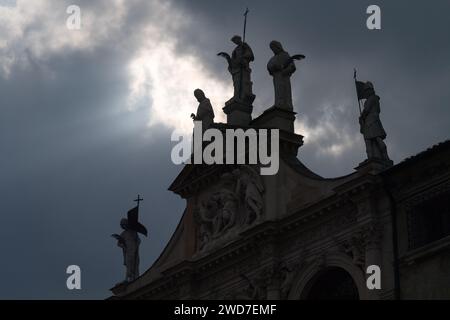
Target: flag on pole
{"x": 133, "y": 222}
{"x": 360, "y": 89}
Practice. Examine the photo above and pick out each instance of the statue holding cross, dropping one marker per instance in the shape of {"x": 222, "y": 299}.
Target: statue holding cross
{"x": 129, "y": 241}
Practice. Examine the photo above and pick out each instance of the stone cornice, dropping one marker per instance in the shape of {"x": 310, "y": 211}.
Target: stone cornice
{"x": 197, "y": 177}
{"x": 433, "y": 248}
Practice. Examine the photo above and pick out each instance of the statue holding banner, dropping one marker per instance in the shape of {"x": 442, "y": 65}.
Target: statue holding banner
{"x": 370, "y": 123}
{"x": 129, "y": 241}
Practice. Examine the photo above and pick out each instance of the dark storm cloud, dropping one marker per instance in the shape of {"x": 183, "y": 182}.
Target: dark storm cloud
{"x": 71, "y": 164}
{"x": 73, "y": 159}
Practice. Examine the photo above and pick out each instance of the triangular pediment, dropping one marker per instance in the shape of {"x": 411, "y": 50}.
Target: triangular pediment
{"x": 194, "y": 178}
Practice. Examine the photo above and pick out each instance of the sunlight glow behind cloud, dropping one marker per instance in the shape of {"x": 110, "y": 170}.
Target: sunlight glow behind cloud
{"x": 169, "y": 81}
{"x": 160, "y": 78}
{"x": 166, "y": 79}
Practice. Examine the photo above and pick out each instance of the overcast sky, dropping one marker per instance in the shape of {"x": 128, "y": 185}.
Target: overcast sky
{"x": 86, "y": 115}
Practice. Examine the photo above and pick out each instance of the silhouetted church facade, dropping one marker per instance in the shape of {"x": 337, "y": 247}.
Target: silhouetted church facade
{"x": 296, "y": 235}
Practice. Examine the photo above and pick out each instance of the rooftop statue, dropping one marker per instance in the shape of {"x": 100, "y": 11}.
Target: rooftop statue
{"x": 205, "y": 112}
{"x": 129, "y": 241}
{"x": 239, "y": 68}
{"x": 281, "y": 67}
{"x": 370, "y": 123}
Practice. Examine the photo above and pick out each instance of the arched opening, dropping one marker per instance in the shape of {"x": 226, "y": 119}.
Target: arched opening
{"x": 332, "y": 283}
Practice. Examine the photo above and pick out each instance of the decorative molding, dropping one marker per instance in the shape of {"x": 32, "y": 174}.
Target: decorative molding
{"x": 425, "y": 195}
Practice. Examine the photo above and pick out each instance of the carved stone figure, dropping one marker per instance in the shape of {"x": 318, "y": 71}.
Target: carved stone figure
{"x": 216, "y": 216}
{"x": 354, "y": 248}
{"x": 225, "y": 212}
{"x": 255, "y": 289}
{"x": 234, "y": 203}
{"x": 205, "y": 226}
{"x": 129, "y": 242}
{"x": 239, "y": 68}
{"x": 250, "y": 189}
{"x": 229, "y": 209}
{"x": 205, "y": 112}
{"x": 287, "y": 276}
{"x": 371, "y": 126}
{"x": 281, "y": 67}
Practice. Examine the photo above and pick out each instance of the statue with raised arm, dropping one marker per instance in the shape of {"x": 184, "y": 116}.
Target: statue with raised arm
{"x": 370, "y": 123}
{"x": 205, "y": 112}
{"x": 281, "y": 67}
{"x": 239, "y": 68}
{"x": 129, "y": 241}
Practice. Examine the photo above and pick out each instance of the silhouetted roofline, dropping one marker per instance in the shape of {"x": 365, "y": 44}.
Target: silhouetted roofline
{"x": 439, "y": 147}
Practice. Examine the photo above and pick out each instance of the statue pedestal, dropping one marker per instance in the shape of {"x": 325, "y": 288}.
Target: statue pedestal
{"x": 282, "y": 119}
{"x": 238, "y": 113}
{"x": 374, "y": 166}
{"x": 276, "y": 117}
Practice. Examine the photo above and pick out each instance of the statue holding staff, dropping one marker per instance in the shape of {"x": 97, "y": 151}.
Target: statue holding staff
{"x": 370, "y": 123}
{"x": 239, "y": 68}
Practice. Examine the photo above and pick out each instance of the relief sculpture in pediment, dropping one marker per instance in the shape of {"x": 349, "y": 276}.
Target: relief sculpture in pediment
{"x": 236, "y": 202}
